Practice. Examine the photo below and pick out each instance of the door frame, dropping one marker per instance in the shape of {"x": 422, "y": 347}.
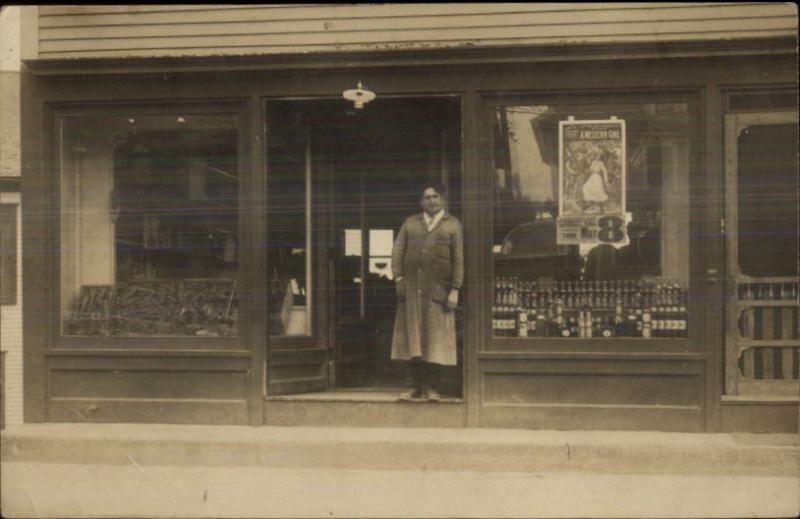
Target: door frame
{"x": 324, "y": 335}
{"x": 734, "y": 124}
{"x": 312, "y": 349}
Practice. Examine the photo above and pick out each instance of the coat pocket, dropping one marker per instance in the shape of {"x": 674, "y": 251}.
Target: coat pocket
{"x": 400, "y": 287}
{"x": 439, "y": 293}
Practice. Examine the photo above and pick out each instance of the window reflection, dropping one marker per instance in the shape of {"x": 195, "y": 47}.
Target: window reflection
{"x": 288, "y": 244}
{"x": 149, "y": 226}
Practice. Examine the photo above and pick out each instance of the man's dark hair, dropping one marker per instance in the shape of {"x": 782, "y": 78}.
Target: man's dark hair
{"x": 436, "y": 186}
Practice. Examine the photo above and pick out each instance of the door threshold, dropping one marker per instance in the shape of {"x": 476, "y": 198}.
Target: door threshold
{"x": 361, "y": 395}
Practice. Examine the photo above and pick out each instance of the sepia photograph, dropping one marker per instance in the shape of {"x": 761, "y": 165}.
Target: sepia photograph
{"x": 419, "y": 260}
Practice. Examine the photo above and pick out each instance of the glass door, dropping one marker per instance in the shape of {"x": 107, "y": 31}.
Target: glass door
{"x": 297, "y": 299}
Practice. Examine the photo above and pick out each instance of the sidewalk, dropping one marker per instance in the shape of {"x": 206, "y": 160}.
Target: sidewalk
{"x": 85, "y": 490}
{"x": 492, "y": 450}
{"x": 135, "y": 470}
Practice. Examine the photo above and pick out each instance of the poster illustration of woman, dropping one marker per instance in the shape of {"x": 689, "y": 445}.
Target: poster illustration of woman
{"x": 591, "y": 168}
{"x": 594, "y": 189}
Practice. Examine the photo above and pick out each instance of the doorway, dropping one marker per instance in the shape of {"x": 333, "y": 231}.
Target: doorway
{"x": 341, "y": 182}
{"x": 762, "y": 249}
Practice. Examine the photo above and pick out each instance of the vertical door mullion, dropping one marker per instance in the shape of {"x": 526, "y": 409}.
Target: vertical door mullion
{"x": 252, "y": 253}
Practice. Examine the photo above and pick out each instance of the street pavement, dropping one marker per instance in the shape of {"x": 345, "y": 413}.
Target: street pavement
{"x": 35, "y": 489}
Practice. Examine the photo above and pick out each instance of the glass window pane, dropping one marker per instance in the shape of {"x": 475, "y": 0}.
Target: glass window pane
{"x": 149, "y": 225}
{"x": 767, "y": 200}
{"x": 616, "y": 262}
{"x": 288, "y": 242}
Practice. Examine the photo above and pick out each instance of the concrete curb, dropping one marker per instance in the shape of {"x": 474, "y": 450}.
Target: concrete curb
{"x": 405, "y": 449}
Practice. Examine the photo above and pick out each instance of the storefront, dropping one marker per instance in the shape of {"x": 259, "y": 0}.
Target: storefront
{"x": 208, "y": 240}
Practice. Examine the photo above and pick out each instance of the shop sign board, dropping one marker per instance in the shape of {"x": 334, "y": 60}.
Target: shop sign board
{"x": 591, "y": 175}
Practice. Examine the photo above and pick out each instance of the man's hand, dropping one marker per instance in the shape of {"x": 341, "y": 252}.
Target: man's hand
{"x": 452, "y": 299}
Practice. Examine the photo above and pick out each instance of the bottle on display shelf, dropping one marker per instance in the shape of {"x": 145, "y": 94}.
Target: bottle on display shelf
{"x": 632, "y": 325}
{"x": 658, "y": 328}
{"x": 647, "y": 322}
{"x": 573, "y": 326}
{"x": 564, "y": 331}
{"x": 618, "y": 307}
{"x": 541, "y": 324}
{"x": 569, "y": 300}
{"x": 559, "y": 309}
{"x": 639, "y": 328}
{"x": 532, "y": 332}
{"x": 608, "y": 328}
{"x": 563, "y": 328}
{"x": 619, "y": 326}
{"x": 587, "y": 326}
{"x": 673, "y": 316}
{"x": 656, "y": 307}
{"x": 522, "y": 322}
{"x": 588, "y": 298}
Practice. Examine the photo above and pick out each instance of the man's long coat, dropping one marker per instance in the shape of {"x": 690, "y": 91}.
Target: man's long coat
{"x": 431, "y": 263}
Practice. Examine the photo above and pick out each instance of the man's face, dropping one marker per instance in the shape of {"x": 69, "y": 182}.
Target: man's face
{"x": 431, "y": 201}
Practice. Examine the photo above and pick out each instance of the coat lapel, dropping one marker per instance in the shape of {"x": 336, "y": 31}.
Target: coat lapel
{"x": 425, "y": 224}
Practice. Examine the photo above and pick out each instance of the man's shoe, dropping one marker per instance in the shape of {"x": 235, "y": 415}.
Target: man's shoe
{"x": 433, "y": 395}
{"x": 410, "y": 394}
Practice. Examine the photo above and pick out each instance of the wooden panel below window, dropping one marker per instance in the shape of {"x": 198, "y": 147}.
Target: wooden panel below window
{"x": 759, "y": 416}
{"x": 148, "y": 411}
{"x": 591, "y": 389}
{"x": 148, "y": 384}
{"x": 156, "y": 387}
{"x": 586, "y": 393}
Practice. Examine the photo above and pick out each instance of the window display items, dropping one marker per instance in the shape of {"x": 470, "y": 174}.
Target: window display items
{"x": 589, "y": 309}
{"x": 149, "y": 226}
{"x": 198, "y": 307}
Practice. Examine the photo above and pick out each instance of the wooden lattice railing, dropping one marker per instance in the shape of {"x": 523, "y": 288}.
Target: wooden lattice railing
{"x": 762, "y": 338}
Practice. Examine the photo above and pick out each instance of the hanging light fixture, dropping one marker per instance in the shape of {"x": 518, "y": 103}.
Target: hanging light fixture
{"x": 359, "y": 96}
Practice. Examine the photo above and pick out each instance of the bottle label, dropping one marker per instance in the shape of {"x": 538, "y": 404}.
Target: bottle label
{"x": 523, "y": 330}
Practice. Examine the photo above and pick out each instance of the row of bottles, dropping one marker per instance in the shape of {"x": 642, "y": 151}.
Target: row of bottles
{"x": 786, "y": 291}
{"x": 587, "y": 309}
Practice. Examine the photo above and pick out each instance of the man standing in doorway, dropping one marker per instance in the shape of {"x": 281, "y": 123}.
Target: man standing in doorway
{"x": 428, "y": 268}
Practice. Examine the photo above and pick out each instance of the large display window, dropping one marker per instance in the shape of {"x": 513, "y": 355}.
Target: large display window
{"x": 591, "y": 220}
{"x": 149, "y": 224}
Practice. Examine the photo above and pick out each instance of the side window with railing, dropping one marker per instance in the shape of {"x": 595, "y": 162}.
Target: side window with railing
{"x": 762, "y": 252}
